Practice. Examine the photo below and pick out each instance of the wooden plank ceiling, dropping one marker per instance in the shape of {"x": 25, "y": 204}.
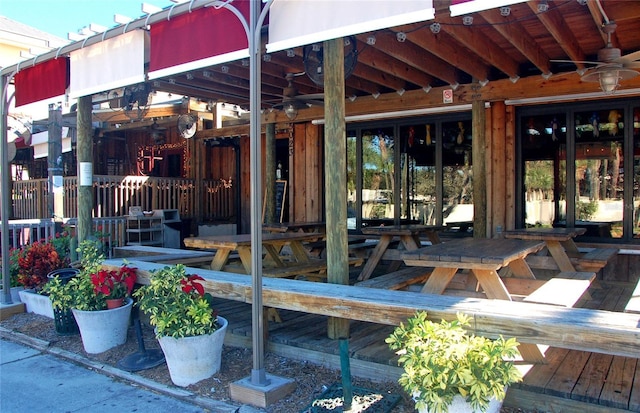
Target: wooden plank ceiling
{"x": 494, "y": 47}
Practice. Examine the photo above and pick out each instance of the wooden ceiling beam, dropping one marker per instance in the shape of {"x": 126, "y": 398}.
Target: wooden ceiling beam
{"x": 555, "y": 24}
{"x": 392, "y": 66}
{"x": 487, "y": 51}
{"x": 415, "y": 56}
{"x": 365, "y": 71}
{"x": 448, "y": 49}
{"x": 519, "y": 38}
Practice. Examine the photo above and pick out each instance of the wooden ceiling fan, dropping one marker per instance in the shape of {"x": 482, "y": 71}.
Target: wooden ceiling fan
{"x": 292, "y": 100}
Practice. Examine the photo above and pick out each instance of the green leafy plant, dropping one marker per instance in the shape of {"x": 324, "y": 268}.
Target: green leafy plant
{"x": 89, "y": 290}
{"x": 177, "y": 303}
{"x": 441, "y": 360}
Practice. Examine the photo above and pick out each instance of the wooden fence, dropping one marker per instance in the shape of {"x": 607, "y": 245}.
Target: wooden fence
{"x": 113, "y": 195}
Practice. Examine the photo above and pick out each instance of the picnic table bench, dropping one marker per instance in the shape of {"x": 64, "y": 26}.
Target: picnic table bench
{"x": 397, "y": 280}
{"x": 633, "y": 306}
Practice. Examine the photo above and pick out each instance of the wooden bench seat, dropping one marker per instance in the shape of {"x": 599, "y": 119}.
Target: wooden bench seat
{"x": 633, "y": 306}
{"x": 397, "y": 280}
{"x": 593, "y": 260}
{"x": 314, "y": 269}
{"x": 565, "y": 289}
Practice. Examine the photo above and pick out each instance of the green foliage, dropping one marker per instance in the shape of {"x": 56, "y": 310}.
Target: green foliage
{"x": 441, "y": 360}
{"x": 586, "y": 210}
{"x": 80, "y": 292}
{"x": 177, "y": 303}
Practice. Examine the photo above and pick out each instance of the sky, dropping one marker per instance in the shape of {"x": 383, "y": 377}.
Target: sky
{"x": 59, "y": 17}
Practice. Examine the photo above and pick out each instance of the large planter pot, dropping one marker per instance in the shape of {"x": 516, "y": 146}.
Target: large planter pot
{"x": 36, "y": 303}
{"x": 460, "y": 405}
{"x": 105, "y": 329}
{"x": 191, "y": 359}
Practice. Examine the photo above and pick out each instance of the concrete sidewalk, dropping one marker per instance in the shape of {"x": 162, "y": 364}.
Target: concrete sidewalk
{"x": 37, "y": 380}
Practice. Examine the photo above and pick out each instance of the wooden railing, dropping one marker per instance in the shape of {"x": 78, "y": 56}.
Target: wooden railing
{"x": 113, "y": 195}
{"x": 109, "y": 230}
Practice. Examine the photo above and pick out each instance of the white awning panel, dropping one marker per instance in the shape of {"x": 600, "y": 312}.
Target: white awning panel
{"x": 295, "y": 23}
{"x": 461, "y": 7}
{"x": 40, "y": 143}
{"x": 110, "y": 64}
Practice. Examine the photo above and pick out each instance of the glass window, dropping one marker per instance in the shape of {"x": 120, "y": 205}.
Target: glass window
{"x": 599, "y": 185}
{"x": 543, "y": 143}
{"x": 377, "y": 175}
{"x": 418, "y": 181}
{"x": 457, "y": 180}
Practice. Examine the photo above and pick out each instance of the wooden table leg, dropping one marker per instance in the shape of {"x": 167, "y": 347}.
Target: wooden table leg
{"x": 560, "y": 256}
{"x": 438, "y": 281}
{"x": 220, "y": 259}
{"x": 299, "y": 251}
{"x": 375, "y": 257}
{"x": 245, "y": 257}
{"x": 521, "y": 269}
{"x": 494, "y": 288}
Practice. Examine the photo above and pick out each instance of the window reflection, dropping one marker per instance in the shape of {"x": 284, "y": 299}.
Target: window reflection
{"x": 377, "y": 175}
{"x": 599, "y": 170}
{"x": 457, "y": 179}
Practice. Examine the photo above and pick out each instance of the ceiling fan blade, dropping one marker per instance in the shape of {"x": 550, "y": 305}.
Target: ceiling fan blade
{"x": 311, "y": 96}
{"x": 632, "y": 65}
{"x": 574, "y": 61}
{"x": 628, "y": 58}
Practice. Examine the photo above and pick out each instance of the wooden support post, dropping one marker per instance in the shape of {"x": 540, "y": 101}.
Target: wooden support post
{"x": 479, "y": 170}
{"x": 85, "y": 168}
{"x": 335, "y": 175}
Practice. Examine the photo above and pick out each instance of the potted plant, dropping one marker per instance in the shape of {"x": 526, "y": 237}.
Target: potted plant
{"x": 14, "y": 271}
{"x": 185, "y": 323}
{"x": 86, "y": 295}
{"x": 35, "y": 262}
{"x": 445, "y": 367}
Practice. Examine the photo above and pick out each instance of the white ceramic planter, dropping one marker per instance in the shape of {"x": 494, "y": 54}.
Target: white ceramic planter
{"x": 191, "y": 359}
{"x": 105, "y": 329}
{"x": 36, "y": 303}
{"x": 460, "y": 405}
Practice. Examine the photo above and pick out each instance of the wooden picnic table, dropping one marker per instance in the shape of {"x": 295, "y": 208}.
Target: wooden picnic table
{"x": 241, "y": 243}
{"x": 409, "y": 236}
{"x": 312, "y": 227}
{"x": 559, "y": 242}
{"x": 483, "y": 257}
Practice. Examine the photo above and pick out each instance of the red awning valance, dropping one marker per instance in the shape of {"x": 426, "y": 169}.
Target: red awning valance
{"x": 204, "y": 37}
{"x": 42, "y": 81}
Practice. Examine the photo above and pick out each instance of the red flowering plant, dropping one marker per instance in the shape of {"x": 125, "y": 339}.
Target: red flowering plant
{"x": 177, "y": 303}
{"x": 114, "y": 284}
{"x": 36, "y": 261}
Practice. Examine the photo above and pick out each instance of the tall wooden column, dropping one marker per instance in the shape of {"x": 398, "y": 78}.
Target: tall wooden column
{"x": 479, "y": 169}
{"x": 85, "y": 168}
{"x": 335, "y": 174}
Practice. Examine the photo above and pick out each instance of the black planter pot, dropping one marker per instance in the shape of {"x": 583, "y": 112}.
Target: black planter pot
{"x": 63, "y": 320}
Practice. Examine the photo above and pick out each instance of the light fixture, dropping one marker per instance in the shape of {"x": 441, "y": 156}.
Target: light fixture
{"x": 467, "y": 20}
{"x": 371, "y": 40}
{"x": 543, "y": 6}
{"x": 435, "y": 28}
{"x": 609, "y": 76}
{"x": 290, "y": 110}
{"x": 505, "y": 11}
{"x": 401, "y": 37}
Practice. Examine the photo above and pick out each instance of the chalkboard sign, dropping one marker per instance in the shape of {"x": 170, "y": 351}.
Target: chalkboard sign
{"x": 281, "y": 192}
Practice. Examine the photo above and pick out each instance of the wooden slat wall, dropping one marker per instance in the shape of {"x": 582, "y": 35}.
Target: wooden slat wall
{"x": 306, "y": 197}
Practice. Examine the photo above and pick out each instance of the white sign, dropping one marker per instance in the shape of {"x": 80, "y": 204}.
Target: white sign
{"x": 86, "y": 174}
{"x": 447, "y": 96}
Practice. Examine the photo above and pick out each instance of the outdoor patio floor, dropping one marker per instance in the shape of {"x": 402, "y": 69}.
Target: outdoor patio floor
{"x": 571, "y": 381}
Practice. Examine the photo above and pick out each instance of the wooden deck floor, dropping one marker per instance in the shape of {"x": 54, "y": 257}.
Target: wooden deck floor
{"x": 571, "y": 381}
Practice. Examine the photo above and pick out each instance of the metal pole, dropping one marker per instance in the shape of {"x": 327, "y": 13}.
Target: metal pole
{"x": 4, "y": 193}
